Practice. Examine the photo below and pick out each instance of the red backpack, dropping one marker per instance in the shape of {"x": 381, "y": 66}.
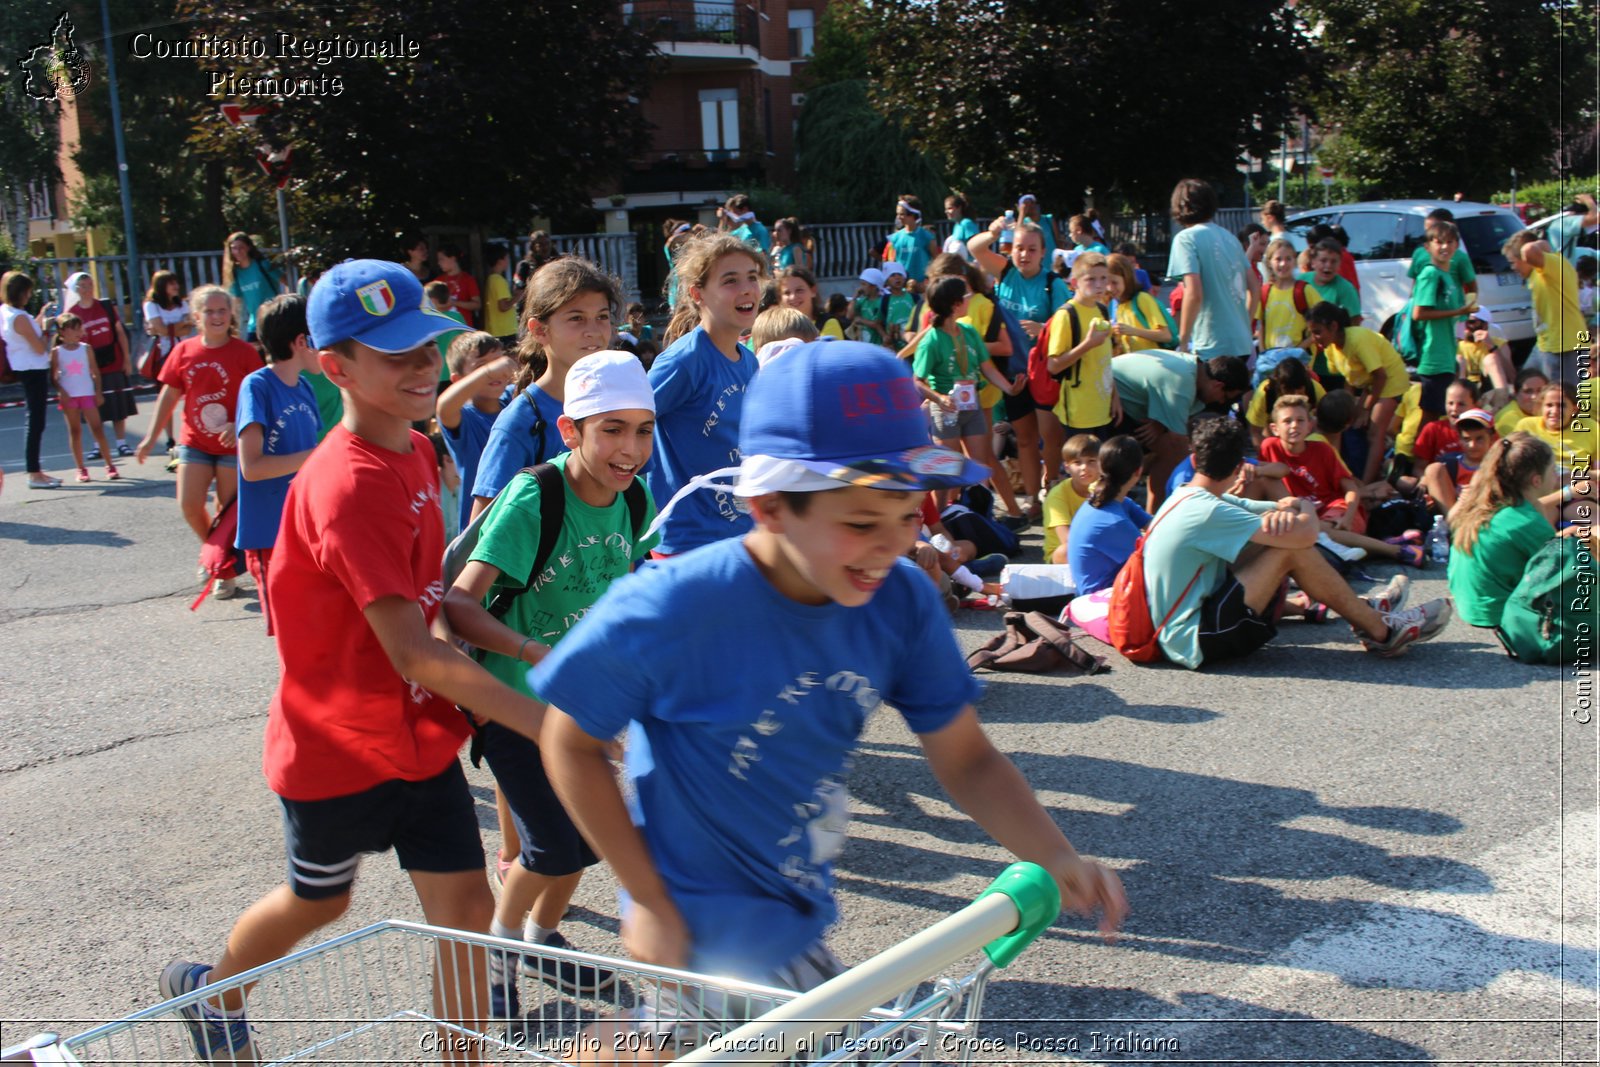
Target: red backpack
{"x": 1131, "y": 629}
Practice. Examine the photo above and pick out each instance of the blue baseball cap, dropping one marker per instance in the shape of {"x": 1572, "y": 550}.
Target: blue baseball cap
{"x": 376, "y": 302}
{"x": 849, "y": 411}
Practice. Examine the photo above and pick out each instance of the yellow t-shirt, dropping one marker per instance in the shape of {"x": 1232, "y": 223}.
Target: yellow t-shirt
{"x": 1283, "y": 325}
{"x": 1556, "y": 317}
{"x": 980, "y": 310}
{"x": 1408, "y": 416}
{"x": 1471, "y": 354}
{"x": 1127, "y": 316}
{"x": 1365, "y": 351}
{"x": 1061, "y": 503}
{"x": 1085, "y": 401}
{"x": 496, "y": 322}
{"x": 832, "y": 328}
{"x": 1258, "y": 415}
{"x": 1506, "y": 419}
{"x": 1574, "y": 447}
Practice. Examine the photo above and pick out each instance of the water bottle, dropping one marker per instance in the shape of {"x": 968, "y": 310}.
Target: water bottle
{"x": 1439, "y": 541}
{"x": 1008, "y": 233}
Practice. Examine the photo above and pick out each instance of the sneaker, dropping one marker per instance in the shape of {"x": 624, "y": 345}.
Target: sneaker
{"x": 1391, "y": 597}
{"x": 1014, "y": 522}
{"x": 83, "y": 474}
{"x": 111, "y": 474}
{"x": 44, "y": 481}
{"x": 1410, "y": 537}
{"x": 172, "y": 463}
{"x": 1410, "y": 626}
{"x": 1412, "y": 556}
{"x": 217, "y": 1039}
{"x": 225, "y": 588}
{"x": 124, "y": 450}
{"x": 573, "y": 979}
{"x": 988, "y": 566}
{"x": 504, "y": 1001}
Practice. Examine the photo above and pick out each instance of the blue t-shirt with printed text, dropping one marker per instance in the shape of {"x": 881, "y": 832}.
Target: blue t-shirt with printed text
{"x": 1222, "y": 327}
{"x": 699, "y": 398}
{"x": 743, "y": 730}
{"x": 1100, "y": 541}
{"x": 289, "y": 423}
{"x": 513, "y": 443}
{"x": 466, "y": 444}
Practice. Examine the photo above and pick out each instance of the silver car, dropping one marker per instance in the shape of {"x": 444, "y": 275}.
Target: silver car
{"x": 1385, "y": 233}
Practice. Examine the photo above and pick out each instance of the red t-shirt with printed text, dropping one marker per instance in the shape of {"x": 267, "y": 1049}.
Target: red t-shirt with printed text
{"x": 100, "y": 334}
{"x": 1314, "y": 473}
{"x": 361, "y": 523}
{"x": 1437, "y": 438}
{"x": 210, "y": 380}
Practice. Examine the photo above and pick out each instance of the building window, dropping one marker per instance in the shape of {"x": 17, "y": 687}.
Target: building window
{"x": 39, "y": 200}
{"x": 719, "y": 122}
{"x": 802, "y": 32}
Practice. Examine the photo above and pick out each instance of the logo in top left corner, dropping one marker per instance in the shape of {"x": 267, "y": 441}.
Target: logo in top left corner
{"x": 56, "y": 69}
{"x": 376, "y": 298}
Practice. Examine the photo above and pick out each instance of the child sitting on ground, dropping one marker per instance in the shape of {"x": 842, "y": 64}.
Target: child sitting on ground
{"x": 1289, "y": 378}
{"x": 1445, "y": 478}
{"x": 1081, "y": 458}
{"x": 1105, "y": 530}
{"x": 1483, "y": 352}
{"x": 1439, "y": 436}
{"x": 1315, "y": 472}
{"x": 1499, "y": 524}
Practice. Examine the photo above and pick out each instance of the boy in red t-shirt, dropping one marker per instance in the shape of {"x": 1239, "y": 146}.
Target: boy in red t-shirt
{"x": 1445, "y": 479}
{"x": 363, "y": 733}
{"x": 463, "y": 286}
{"x": 1315, "y": 472}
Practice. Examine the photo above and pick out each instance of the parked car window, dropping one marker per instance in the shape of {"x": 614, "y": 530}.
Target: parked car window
{"x": 1482, "y": 236}
{"x": 1414, "y": 233}
{"x": 1373, "y": 234}
{"x": 1302, "y": 226}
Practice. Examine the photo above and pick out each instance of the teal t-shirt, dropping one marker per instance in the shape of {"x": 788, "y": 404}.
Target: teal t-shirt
{"x": 595, "y": 548}
{"x": 1338, "y": 291}
{"x": 1482, "y": 580}
{"x": 1158, "y": 385}
{"x": 253, "y": 285}
{"x": 1437, "y": 289}
{"x": 964, "y": 230}
{"x": 1222, "y": 327}
{"x": 935, "y": 360}
{"x": 913, "y": 250}
{"x": 330, "y": 402}
{"x": 755, "y": 235}
{"x": 1460, "y": 266}
{"x": 1194, "y": 531}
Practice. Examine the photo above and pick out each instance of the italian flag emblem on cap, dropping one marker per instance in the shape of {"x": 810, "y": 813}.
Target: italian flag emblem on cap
{"x": 377, "y": 298}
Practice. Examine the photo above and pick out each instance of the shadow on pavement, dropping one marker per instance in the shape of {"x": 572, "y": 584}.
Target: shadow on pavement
{"x": 35, "y": 534}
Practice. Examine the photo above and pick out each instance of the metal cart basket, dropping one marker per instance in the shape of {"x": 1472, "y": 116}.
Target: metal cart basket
{"x": 398, "y": 992}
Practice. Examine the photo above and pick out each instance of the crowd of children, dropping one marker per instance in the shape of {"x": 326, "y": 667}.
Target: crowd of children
{"x": 804, "y": 456}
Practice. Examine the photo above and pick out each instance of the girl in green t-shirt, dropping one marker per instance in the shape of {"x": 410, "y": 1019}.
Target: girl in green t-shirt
{"x": 948, "y": 359}
{"x": 1499, "y": 523}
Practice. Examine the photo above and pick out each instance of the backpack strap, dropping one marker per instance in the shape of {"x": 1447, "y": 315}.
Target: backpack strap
{"x": 552, "y": 512}
{"x": 634, "y": 496}
{"x": 1266, "y": 292}
{"x": 539, "y": 427}
{"x": 1300, "y": 303}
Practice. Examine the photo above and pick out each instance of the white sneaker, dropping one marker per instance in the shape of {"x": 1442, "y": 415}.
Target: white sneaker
{"x": 225, "y": 588}
{"x": 1349, "y": 555}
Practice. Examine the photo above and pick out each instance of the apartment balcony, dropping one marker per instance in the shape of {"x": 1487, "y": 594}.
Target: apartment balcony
{"x": 700, "y": 34}
{"x": 690, "y": 170}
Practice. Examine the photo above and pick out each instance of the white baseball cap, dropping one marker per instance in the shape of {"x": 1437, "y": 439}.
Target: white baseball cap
{"x": 607, "y": 381}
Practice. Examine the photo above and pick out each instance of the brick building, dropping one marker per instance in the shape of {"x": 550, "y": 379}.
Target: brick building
{"x": 722, "y": 113}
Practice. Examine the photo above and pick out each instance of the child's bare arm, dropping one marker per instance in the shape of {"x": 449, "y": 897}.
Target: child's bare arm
{"x": 256, "y": 465}
{"x": 420, "y": 657}
{"x": 164, "y": 405}
{"x": 460, "y": 392}
{"x": 653, "y": 931}
{"x": 463, "y": 604}
{"x": 988, "y": 787}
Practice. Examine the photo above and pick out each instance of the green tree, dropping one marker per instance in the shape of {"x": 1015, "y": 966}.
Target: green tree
{"x": 1446, "y": 96}
{"x": 28, "y": 133}
{"x": 502, "y": 115}
{"x": 853, "y": 159}
{"x": 1058, "y": 96}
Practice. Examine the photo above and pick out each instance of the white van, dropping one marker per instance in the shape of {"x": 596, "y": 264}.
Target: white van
{"x": 1384, "y": 233}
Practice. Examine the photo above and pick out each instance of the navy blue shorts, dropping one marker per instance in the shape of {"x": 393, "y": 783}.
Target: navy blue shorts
{"x": 1433, "y": 390}
{"x": 551, "y": 844}
{"x": 431, "y": 825}
{"x": 1229, "y": 628}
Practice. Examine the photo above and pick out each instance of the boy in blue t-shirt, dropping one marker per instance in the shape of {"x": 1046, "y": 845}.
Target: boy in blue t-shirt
{"x": 739, "y": 774}
{"x": 279, "y": 425}
{"x": 480, "y": 370}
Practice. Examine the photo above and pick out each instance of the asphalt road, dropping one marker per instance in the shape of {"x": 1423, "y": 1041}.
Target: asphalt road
{"x": 1330, "y": 857}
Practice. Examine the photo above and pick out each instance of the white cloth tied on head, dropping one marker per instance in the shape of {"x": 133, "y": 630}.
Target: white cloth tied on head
{"x": 748, "y": 216}
{"x": 69, "y": 290}
{"x": 754, "y": 476}
{"x": 908, "y": 209}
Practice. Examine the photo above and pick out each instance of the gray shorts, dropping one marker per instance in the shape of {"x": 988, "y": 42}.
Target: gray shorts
{"x": 1555, "y": 366}
{"x": 675, "y": 1016}
{"x": 949, "y": 425}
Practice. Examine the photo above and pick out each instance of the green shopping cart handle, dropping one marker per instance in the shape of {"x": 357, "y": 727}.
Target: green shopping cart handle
{"x": 1038, "y": 901}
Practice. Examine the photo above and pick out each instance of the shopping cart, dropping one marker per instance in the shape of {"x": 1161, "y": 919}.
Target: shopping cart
{"x": 391, "y": 985}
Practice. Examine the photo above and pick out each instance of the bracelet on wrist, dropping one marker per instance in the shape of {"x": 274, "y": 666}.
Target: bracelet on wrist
{"x": 523, "y": 651}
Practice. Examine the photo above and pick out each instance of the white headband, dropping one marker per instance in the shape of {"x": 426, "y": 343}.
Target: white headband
{"x": 748, "y": 216}
{"x": 682, "y": 228}
{"x": 908, "y": 209}
{"x": 1026, "y": 198}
